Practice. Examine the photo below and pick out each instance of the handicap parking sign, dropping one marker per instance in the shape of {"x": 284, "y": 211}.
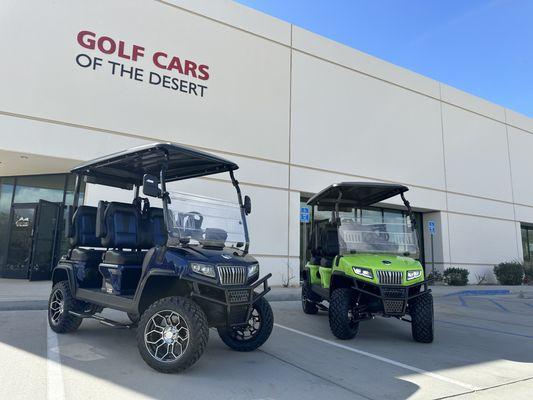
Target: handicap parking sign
{"x": 431, "y": 227}
{"x": 305, "y": 216}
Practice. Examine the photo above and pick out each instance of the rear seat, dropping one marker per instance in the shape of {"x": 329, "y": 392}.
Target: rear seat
{"x": 84, "y": 234}
{"x": 120, "y": 229}
{"x": 123, "y": 226}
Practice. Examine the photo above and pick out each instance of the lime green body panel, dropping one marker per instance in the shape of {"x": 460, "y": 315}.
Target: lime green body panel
{"x": 314, "y": 276}
{"x": 374, "y": 262}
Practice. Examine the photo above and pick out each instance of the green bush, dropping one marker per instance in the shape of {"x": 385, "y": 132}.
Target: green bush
{"x": 456, "y": 276}
{"x": 509, "y": 273}
{"x": 528, "y": 273}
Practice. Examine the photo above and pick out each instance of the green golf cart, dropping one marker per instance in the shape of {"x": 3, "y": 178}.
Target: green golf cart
{"x": 363, "y": 268}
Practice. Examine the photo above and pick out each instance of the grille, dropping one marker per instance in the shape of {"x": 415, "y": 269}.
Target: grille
{"x": 232, "y": 275}
{"x": 238, "y": 296}
{"x": 393, "y": 293}
{"x": 390, "y": 277}
{"x": 393, "y": 306}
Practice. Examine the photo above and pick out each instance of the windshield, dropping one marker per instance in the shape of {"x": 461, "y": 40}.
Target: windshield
{"x": 202, "y": 220}
{"x": 391, "y": 238}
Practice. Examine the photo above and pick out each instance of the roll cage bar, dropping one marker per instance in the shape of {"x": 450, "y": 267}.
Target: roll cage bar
{"x": 167, "y": 161}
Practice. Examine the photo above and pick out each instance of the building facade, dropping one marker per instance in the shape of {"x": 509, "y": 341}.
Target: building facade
{"x": 296, "y": 111}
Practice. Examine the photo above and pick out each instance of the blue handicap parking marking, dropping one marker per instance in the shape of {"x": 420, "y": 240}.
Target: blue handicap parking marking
{"x": 462, "y": 301}
{"x": 500, "y": 306}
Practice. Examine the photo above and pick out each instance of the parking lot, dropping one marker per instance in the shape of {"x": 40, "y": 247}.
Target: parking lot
{"x": 483, "y": 350}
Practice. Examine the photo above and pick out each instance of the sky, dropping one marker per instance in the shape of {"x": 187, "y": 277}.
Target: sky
{"x": 484, "y": 47}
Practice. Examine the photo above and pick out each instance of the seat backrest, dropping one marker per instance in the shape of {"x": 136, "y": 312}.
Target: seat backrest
{"x": 315, "y": 239}
{"x": 153, "y": 231}
{"x": 84, "y": 228}
{"x": 330, "y": 240}
{"x": 120, "y": 226}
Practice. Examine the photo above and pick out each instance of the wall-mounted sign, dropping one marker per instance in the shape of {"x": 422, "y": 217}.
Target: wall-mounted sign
{"x": 305, "y": 216}
{"x": 431, "y": 227}
{"x": 170, "y": 71}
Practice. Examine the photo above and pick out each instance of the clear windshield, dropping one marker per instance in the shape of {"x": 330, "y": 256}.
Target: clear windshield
{"x": 206, "y": 221}
{"x": 391, "y": 238}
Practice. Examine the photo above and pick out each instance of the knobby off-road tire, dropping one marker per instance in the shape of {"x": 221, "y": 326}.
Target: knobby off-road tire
{"x": 253, "y": 335}
{"x": 59, "y": 305}
{"x": 422, "y": 318}
{"x": 308, "y": 299}
{"x": 172, "y": 334}
{"x": 341, "y": 319}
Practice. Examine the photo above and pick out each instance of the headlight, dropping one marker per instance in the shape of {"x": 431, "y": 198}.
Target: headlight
{"x": 203, "y": 269}
{"x": 365, "y": 272}
{"x": 414, "y": 274}
{"x": 253, "y": 270}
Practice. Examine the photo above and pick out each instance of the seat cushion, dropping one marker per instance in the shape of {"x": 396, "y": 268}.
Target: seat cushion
{"x": 88, "y": 255}
{"x": 124, "y": 257}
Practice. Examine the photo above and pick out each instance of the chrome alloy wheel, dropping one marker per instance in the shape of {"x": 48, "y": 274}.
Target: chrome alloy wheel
{"x": 166, "y": 336}
{"x": 250, "y": 330}
{"x": 57, "y": 306}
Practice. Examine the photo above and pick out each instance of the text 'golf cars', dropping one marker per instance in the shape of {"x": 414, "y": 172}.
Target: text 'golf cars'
{"x": 364, "y": 268}
{"x": 177, "y": 269}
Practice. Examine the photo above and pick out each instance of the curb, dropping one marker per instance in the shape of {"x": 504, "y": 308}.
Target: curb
{"x": 283, "y": 296}
{"x": 24, "y": 305}
{"x": 486, "y": 292}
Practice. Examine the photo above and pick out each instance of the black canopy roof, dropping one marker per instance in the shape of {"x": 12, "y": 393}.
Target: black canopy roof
{"x": 127, "y": 168}
{"x": 356, "y": 194}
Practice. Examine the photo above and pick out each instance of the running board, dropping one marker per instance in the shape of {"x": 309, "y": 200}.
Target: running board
{"x": 322, "y": 307}
{"x": 103, "y": 320}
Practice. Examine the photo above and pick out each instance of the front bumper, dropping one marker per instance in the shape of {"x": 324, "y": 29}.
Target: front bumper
{"x": 228, "y": 305}
{"x": 393, "y": 298}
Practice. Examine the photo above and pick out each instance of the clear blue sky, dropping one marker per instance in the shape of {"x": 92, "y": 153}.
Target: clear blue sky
{"x": 480, "y": 46}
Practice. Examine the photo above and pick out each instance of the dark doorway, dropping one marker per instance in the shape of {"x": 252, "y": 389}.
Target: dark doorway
{"x": 32, "y": 240}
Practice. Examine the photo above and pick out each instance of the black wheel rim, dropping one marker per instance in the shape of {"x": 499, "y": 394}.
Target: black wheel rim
{"x": 251, "y": 329}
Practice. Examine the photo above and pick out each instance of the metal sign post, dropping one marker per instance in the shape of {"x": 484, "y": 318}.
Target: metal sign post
{"x": 431, "y": 228}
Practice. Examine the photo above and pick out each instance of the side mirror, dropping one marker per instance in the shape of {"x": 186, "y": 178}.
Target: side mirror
{"x": 247, "y": 205}
{"x": 151, "y": 185}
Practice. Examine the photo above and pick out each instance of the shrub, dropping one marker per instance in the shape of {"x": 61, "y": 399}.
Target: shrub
{"x": 456, "y": 276}
{"x": 509, "y": 273}
{"x": 437, "y": 277}
{"x": 528, "y": 273}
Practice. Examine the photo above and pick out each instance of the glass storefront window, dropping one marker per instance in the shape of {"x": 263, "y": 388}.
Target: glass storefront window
{"x": 31, "y": 189}
{"x": 6, "y": 195}
{"x": 57, "y": 188}
{"x": 527, "y": 242}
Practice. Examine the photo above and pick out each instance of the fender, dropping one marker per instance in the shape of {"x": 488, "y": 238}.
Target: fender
{"x": 151, "y": 273}
{"x": 70, "y": 275}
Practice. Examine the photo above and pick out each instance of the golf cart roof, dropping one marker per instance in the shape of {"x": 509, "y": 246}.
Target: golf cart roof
{"x": 356, "y": 194}
{"x": 127, "y": 168}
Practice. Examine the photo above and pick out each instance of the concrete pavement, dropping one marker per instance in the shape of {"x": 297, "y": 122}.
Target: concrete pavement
{"x": 483, "y": 350}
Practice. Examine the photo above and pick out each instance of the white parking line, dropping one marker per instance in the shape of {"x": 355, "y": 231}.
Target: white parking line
{"x": 55, "y": 389}
{"x": 383, "y": 359}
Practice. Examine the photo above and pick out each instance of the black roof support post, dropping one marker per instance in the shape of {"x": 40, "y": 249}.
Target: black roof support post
{"x": 409, "y": 210}
{"x": 243, "y": 214}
